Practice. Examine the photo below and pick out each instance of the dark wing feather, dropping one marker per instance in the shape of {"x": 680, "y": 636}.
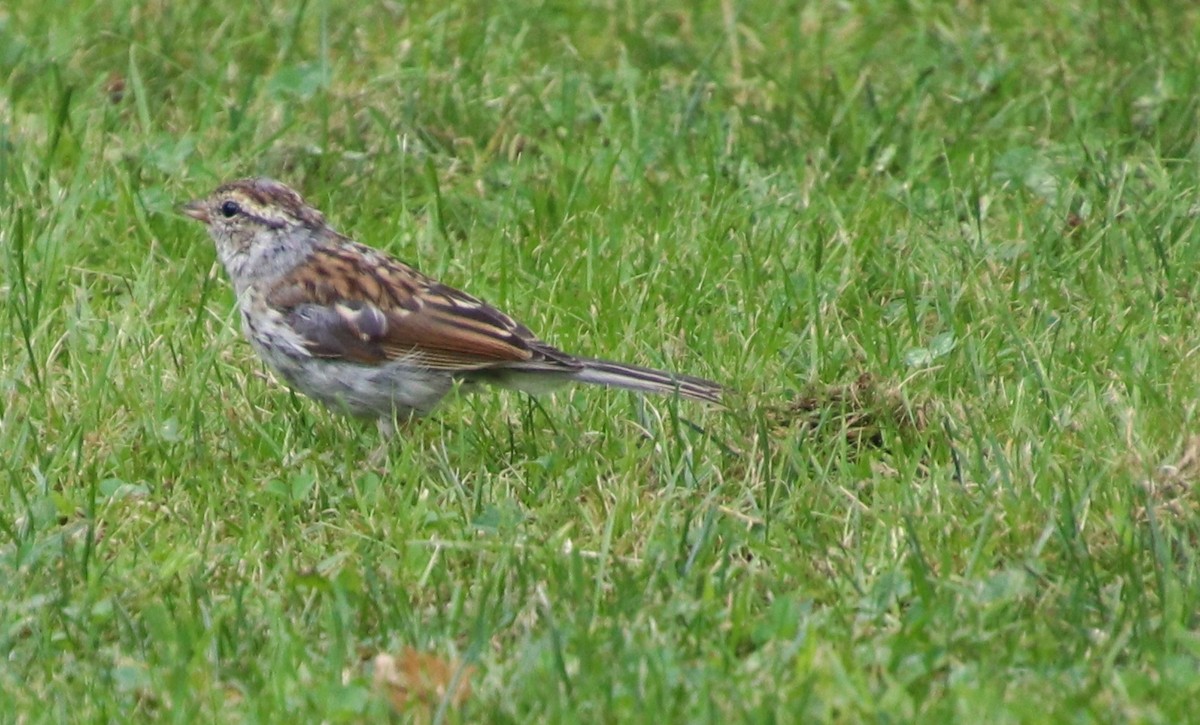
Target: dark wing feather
{"x": 352, "y": 303}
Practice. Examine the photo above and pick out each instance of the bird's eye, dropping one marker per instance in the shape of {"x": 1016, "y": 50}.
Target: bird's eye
{"x": 230, "y": 209}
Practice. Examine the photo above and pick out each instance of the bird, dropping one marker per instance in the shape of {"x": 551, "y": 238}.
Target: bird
{"x": 368, "y": 335}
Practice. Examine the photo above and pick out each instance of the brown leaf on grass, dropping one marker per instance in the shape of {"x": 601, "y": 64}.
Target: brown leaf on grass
{"x": 114, "y": 87}
{"x": 422, "y": 678}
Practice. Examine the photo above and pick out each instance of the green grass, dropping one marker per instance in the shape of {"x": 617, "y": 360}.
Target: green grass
{"x": 945, "y": 253}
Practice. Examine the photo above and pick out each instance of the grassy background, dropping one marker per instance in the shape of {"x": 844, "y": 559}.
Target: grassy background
{"x": 944, "y": 251}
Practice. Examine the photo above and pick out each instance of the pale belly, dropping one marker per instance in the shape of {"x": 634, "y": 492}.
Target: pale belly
{"x": 395, "y": 389}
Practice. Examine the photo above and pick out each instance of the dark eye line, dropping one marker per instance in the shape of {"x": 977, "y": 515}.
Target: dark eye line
{"x": 269, "y": 223}
{"x": 230, "y": 209}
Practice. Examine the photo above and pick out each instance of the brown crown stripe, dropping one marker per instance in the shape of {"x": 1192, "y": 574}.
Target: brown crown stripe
{"x": 270, "y": 194}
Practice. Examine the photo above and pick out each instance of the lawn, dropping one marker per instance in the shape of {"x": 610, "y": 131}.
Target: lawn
{"x": 943, "y": 253}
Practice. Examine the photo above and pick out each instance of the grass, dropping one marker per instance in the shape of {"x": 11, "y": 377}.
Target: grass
{"x": 944, "y": 252}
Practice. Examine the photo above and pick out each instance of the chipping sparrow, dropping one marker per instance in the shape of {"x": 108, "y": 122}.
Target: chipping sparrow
{"x": 365, "y": 333}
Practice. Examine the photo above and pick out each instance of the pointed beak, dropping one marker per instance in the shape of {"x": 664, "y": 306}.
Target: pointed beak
{"x": 197, "y": 210}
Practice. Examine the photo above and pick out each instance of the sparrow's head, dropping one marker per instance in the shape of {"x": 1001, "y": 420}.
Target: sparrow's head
{"x": 248, "y": 218}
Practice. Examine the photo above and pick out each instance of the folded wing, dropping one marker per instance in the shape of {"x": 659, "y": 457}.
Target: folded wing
{"x": 354, "y": 304}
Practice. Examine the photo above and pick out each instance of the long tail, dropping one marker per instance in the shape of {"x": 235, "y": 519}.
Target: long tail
{"x": 647, "y": 380}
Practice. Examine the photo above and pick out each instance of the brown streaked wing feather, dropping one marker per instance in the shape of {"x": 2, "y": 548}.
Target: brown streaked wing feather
{"x": 353, "y": 303}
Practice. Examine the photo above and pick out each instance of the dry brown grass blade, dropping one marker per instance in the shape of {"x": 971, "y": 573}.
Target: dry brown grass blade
{"x": 864, "y": 407}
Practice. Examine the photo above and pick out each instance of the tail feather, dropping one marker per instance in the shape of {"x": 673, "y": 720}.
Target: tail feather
{"x": 647, "y": 380}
